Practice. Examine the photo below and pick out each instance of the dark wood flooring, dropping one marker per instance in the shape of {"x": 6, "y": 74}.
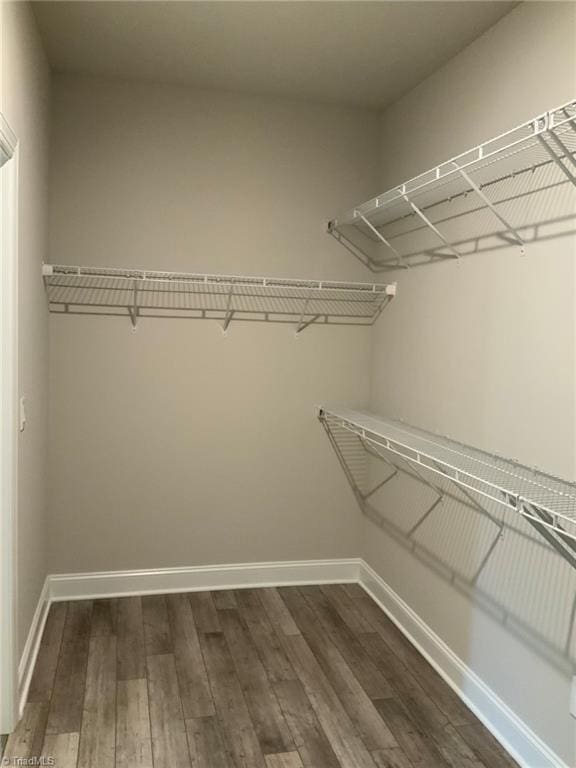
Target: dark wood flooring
{"x": 308, "y": 677}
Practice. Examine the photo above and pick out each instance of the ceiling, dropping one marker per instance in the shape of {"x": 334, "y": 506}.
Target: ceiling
{"x": 352, "y": 52}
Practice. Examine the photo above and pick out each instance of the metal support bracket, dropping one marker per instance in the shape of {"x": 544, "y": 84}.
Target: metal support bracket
{"x": 302, "y": 324}
{"x": 133, "y": 310}
{"x": 379, "y": 485}
{"x": 229, "y": 311}
{"x": 355, "y": 250}
{"x": 492, "y": 207}
{"x": 556, "y": 159}
{"x": 433, "y": 227}
{"x": 372, "y": 228}
{"x": 563, "y": 148}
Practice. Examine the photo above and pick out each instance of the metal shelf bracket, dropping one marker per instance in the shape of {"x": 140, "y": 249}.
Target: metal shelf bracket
{"x": 379, "y": 232}
{"x": 547, "y": 502}
{"x": 222, "y": 298}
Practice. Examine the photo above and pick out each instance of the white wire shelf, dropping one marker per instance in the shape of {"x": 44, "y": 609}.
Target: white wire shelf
{"x": 490, "y": 185}
{"x": 137, "y": 293}
{"x": 546, "y": 500}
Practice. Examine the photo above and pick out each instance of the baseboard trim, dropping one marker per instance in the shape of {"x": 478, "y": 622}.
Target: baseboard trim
{"x": 32, "y": 645}
{"x": 512, "y": 732}
{"x": 84, "y": 586}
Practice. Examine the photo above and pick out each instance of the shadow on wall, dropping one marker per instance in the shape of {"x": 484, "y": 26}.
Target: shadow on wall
{"x": 522, "y": 196}
{"x": 484, "y": 551}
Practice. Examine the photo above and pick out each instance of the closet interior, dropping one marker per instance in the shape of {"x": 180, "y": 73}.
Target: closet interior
{"x": 334, "y": 524}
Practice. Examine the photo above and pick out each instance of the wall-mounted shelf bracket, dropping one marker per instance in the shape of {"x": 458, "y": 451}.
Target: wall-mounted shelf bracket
{"x": 401, "y": 226}
{"x": 489, "y": 204}
{"x": 133, "y": 310}
{"x": 547, "y": 502}
{"x": 224, "y": 298}
{"x": 456, "y": 254}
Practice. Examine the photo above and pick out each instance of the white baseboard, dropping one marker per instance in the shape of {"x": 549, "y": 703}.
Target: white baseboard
{"x": 32, "y": 645}
{"x": 82, "y": 586}
{"x": 514, "y": 735}
{"x": 512, "y": 732}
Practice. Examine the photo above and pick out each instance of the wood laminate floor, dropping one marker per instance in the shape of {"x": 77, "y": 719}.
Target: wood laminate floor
{"x": 307, "y": 677}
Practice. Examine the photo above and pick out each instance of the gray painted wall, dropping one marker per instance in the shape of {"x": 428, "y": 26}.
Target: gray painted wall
{"x": 484, "y": 351}
{"x": 25, "y": 104}
{"x": 176, "y": 446}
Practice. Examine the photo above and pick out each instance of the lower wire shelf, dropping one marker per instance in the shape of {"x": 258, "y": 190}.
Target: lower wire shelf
{"x": 547, "y": 501}
{"x": 137, "y": 293}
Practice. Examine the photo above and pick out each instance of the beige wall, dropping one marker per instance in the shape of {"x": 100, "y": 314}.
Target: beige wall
{"x": 174, "y": 445}
{"x": 484, "y": 351}
{"x": 24, "y": 103}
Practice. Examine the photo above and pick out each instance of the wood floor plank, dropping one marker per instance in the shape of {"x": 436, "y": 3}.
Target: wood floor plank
{"x": 256, "y": 619}
{"x": 78, "y": 624}
{"x": 271, "y": 728}
{"x": 207, "y": 743}
{"x": 255, "y": 678}
{"x": 98, "y": 733}
{"x": 352, "y": 650}
{"x": 418, "y": 746}
{"x": 454, "y": 749}
{"x": 49, "y": 651}
{"x": 130, "y": 633}
{"x": 157, "y": 637}
{"x": 104, "y": 617}
{"x": 285, "y": 760}
{"x": 169, "y": 742}
{"x": 193, "y": 682}
{"x": 204, "y": 611}
{"x": 27, "y": 738}
{"x": 485, "y": 746}
{"x": 403, "y": 682}
{"x": 65, "y": 714}
{"x": 342, "y": 736}
{"x": 62, "y": 749}
{"x": 280, "y": 616}
{"x": 347, "y": 608}
{"x": 133, "y": 738}
{"x": 309, "y": 738}
{"x": 354, "y": 591}
{"x": 230, "y": 704}
{"x": 391, "y": 758}
{"x": 368, "y": 723}
{"x": 224, "y": 598}
{"x": 441, "y": 693}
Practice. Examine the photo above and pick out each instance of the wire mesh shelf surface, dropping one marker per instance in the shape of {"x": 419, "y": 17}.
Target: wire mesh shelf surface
{"x": 443, "y": 212}
{"x": 144, "y": 293}
{"x": 548, "y": 500}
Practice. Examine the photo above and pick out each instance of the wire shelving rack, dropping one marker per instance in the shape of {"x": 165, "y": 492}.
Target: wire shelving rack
{"x": 547, "y": 501}
{"x": 424, "y": 215}
{"x": 136, "y": 293}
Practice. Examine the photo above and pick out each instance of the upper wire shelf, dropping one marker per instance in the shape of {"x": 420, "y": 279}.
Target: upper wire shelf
{"x": 450, "y": 210}
{"x": 137, "y": 293}
{"x": 547, "y": 501}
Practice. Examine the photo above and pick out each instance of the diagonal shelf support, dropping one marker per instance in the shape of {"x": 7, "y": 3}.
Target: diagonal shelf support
{"x": 492, "y": 207}
{"x": 229, "y": 311}
{"x": 570, "y": 176}
{"x": 133, "y": 310}
{"x": 500, "y": 159}
{"x": 431, "y": 226}
{"x": 563, "y": 148}
{"x": 382, "y": 239}
{"x": 117, "y": 292}
{"x": 303, "y": 326}
{"x": 352, "y": 248}
{"x": 547, "y": 502}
